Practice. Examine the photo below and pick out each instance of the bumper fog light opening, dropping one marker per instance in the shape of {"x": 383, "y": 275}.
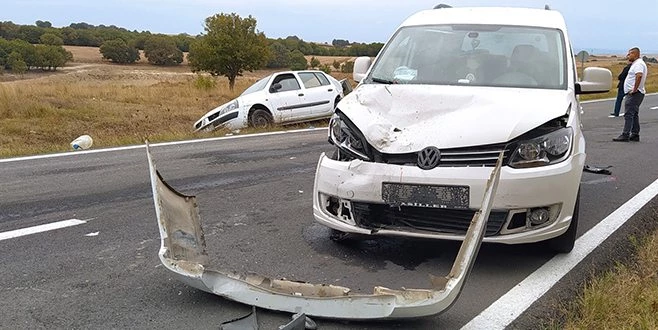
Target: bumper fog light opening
{"x": 339, "y": 208}
{"x": 538, "y": 216}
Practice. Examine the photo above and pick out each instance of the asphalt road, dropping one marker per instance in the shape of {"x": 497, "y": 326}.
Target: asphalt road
{"x": 255, "y": 200}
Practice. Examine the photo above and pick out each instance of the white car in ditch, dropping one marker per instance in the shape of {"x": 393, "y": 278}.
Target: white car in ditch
{"x": 281, "y": 98}
{"x": 453, "y": 88}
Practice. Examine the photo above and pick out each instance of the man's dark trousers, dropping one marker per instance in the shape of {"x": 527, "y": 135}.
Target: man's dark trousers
{"x": 631, "y": 117}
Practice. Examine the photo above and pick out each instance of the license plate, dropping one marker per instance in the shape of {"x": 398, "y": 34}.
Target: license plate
{"x": 452, "y": 197}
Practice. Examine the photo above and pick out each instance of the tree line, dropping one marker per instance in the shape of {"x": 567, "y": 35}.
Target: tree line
{"x": 229, "y": 45}
{"x": 83, "y": 34}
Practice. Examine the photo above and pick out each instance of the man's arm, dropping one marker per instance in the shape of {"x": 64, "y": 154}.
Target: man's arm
{"x": 638, "y": 79}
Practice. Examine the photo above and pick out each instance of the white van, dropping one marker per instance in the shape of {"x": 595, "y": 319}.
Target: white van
{"x": 418, "y": 138}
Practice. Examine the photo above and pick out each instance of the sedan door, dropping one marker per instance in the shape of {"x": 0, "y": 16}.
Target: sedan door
{"x": 319, "y": 93}
{"x": 287, "y": 99}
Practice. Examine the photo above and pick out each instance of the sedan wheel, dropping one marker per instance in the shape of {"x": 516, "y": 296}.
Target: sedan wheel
{"x": 260, "y": 119}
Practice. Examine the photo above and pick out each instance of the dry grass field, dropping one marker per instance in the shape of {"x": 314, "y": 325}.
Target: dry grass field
{"x": 115, "y": 104}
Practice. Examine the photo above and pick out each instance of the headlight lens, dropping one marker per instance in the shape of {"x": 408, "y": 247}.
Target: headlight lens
{"x": 347, "y": 138}
{"x": 229, "y": 107}
{"x": 545, "y": 150}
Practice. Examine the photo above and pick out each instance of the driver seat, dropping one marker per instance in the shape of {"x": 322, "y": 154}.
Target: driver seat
{"x": 525, "y": 59}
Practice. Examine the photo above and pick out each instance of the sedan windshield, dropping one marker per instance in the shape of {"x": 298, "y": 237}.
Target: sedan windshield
{"x": 479, "y": 55}
{"x": 259, "y": 85}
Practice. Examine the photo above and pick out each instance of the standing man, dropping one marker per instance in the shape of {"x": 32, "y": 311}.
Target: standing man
{"x": 620, "y": 91}
{"x": 634, "y": 90}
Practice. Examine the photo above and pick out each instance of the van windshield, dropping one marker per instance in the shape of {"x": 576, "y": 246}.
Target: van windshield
{"x": 478, "y": 55}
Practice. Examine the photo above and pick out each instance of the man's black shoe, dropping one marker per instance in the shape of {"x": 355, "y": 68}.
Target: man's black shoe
{"x": 623, "y": 138}
{"x": 634, "y": 138}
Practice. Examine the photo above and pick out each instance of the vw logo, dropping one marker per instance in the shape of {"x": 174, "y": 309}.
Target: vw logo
{"x": 429, "y": 158}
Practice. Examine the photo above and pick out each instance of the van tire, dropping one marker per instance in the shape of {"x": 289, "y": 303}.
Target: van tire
{"x": 565, "y": 242}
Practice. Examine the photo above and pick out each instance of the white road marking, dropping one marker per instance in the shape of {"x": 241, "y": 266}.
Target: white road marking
{"x": 92, "y": 234}
{"x": 39, "y": 229}
{"x": 654, "y": 108}
{"x": 508, "y": 307}
{"x": 72, "y": 153}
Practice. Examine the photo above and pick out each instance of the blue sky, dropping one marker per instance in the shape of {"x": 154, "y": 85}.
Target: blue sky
{"x": 603, "y": 24}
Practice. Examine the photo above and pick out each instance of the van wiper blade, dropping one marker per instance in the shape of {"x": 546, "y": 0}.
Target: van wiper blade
{"x": 383, "y": 81}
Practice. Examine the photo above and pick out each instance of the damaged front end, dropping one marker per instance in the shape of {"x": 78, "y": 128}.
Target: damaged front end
{"x": 183, "y": 251}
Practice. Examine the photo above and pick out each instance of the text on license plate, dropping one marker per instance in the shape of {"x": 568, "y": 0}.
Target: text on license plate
{"x": 453, "y": 197}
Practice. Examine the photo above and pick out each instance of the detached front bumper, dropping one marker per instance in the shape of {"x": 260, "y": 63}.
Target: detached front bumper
{"x": 183, "y": 251}
{"x": 358, "y": 185}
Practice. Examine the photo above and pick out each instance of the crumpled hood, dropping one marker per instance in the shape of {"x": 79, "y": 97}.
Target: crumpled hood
{"x": 407, "y": 118}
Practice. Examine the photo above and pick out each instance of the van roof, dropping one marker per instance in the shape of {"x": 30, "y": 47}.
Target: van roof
{"x": 488, "y": 15}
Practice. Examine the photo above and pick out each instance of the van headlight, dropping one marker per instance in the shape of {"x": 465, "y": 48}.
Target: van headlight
{"x": 347, "y": 138}
{"x": 545, "y": 150}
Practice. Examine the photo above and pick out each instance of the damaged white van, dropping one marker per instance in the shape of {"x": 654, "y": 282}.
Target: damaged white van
{"x": 418, "y": 138}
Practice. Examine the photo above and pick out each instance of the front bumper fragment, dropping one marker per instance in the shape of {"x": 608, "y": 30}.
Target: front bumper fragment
{"x": 183, "y": 251}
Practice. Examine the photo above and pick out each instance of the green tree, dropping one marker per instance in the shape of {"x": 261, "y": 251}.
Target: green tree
{"x": 118, "y": 51}
{"x": 315, "y": 62}
{"x": 51, "y": 39}
{"x": 43, "y": 24}
{"x": 16, "y": 63}
{"x": 298, "y": 61}
{"x": 280, "y": 56}
{"x": 162, "y": 50}
{"x": 52, "y": 57}
{"x": 30, "y": 33}
{"x": 230, "y": 46}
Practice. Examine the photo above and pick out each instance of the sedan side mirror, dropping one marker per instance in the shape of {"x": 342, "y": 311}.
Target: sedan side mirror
{"x": 275, "y": 88}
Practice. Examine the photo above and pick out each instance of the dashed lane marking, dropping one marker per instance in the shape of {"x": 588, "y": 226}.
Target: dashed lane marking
{"x": 40, "y": 228}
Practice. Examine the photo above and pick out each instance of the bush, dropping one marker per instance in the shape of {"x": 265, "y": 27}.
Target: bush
{"x": 204, "y": 83}
{"x": 315, "y": 62}
{"x": 336, "y": 65}
{"x": 118, "y": 51}
{"x": 298, "y": 61}
{"x": 161, "y": 50}
{"x": 326, "y": 68}
{"x": 280, "y": 56}
{"x": 649, "y": 59}
{"x": 347, "y": 67}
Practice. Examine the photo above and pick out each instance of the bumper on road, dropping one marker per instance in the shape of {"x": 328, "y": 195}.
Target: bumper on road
{"x": 183, "y": 251}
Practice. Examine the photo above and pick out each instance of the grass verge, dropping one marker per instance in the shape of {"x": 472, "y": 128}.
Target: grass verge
{"x": 623, "y": 298}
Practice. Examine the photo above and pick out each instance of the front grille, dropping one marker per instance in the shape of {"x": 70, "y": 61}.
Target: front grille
{"x": 455, "y": 157}
{"x": 436, "y": 220}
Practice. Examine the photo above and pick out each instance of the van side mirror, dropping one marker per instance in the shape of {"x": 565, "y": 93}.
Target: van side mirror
{"x": 595, "y": 80}
{"x": 361, "y": 66}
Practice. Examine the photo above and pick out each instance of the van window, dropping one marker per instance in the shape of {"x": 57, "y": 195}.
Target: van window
{"x": 476, "y": 55}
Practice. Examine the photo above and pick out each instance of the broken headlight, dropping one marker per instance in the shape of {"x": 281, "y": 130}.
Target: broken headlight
{"x": 545, "y": 150}
{"x": 347, "y": 138}
{"x": 229, "y": 107}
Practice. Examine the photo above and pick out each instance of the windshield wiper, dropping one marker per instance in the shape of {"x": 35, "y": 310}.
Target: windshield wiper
{"x": 383, "y": 81}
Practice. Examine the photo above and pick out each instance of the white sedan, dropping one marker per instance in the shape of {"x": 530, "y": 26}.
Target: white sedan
{"x": 280, "y": 98}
